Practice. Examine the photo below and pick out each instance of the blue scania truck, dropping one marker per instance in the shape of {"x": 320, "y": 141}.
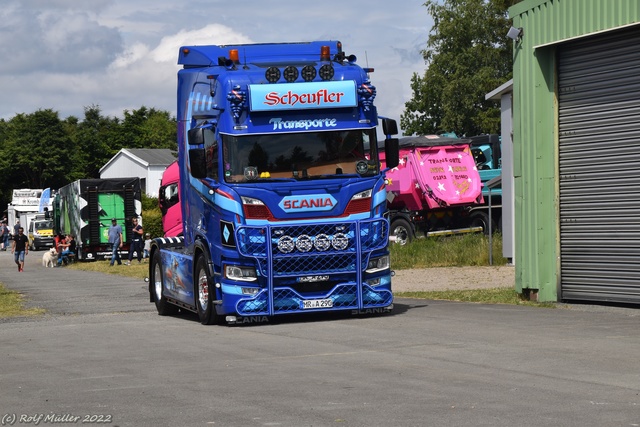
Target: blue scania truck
{"x": 282, "y": 194}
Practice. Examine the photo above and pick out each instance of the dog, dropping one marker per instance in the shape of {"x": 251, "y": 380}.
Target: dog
{"x": 50, "y": 258}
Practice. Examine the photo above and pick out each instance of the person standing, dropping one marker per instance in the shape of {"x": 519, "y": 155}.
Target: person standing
{"x": 20, "y": 248}
{"x": 147, "y": 245}
{"x": 16, "y": 227}
{"x": 115, "y": 239}
{"x": 136, "y": 241}
{"x": 4, "y": 235}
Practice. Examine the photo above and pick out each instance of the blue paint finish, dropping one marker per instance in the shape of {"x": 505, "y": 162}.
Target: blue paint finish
{"x": 298, "y": 227}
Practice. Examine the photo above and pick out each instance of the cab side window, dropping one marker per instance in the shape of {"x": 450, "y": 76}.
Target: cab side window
{"x": 211, "y": 152}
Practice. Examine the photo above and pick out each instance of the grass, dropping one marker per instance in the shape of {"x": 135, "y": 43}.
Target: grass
{"x": 484, "y": 296}
{"x": 135, "y": 270}
{"x": 12, "y": 304}
{"x": 447, "y": 251}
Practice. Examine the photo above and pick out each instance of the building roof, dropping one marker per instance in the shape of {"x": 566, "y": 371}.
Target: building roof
{"x": 501, "y": 90}
{"x": 145, "y": 156}
{"x": 153, "y": 156}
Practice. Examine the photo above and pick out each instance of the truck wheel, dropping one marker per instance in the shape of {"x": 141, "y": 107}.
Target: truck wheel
{"x": 162, "y": 305}
{"x": 401, "y": 229}
{"x": 481, "y": 219}
{"x": 204, "y": 294}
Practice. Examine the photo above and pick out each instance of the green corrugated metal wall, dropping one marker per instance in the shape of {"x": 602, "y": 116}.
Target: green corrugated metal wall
{"x": 546, "y": 23}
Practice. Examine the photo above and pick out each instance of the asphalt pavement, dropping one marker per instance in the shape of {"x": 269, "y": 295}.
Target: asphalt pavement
{"x": 102, "y": 355}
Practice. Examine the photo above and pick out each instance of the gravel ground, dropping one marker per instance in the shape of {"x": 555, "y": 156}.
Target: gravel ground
{"x": 451, "y": 278}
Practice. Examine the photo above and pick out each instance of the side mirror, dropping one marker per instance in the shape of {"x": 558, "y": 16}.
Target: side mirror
{"x": 389, "y": 127}
{"x": 198, "y": 162}
{"x": 392, "y": 152}
{"x": 196, "y": 136}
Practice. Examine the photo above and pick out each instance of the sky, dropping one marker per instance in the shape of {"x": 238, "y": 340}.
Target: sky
{"x": 119, "y": 55}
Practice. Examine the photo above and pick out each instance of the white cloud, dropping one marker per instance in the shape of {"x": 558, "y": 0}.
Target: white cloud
{"x": 167, "y": 50}
{"x": 122, "y": 54}
{"x": 65, "y": 41}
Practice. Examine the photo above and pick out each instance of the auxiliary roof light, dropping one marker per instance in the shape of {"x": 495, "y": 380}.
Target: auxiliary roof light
{"x": 272, "y": 74}
{"x": 309, "y": 73}
{"x": 326, "y": 72}
{"x": 290, "y": 74}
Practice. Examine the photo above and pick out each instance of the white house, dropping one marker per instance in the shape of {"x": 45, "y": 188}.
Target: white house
{"x": 146, "y": 163}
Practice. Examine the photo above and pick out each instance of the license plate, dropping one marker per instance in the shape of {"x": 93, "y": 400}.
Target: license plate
{"x": 317, "y": 303}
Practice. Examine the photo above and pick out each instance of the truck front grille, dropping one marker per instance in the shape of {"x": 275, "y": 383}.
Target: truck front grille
{"x": 287, "y": 254}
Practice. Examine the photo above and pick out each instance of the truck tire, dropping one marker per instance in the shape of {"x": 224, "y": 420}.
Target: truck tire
{"x": 481, "y": 219}
{"x": 402, "y": 230}
{"x": 204, "y": 293}
{"x": 162, "y": 305}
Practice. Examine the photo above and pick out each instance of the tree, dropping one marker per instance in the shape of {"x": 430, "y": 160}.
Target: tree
{"x": 94, "y": 136}
{"x": 39, "y": 147}
{"x": 146, "y": 128}
{"x": 467, "y": 56}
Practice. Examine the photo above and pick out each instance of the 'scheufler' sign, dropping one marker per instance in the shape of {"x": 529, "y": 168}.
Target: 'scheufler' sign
{"x": 297, "y": 96}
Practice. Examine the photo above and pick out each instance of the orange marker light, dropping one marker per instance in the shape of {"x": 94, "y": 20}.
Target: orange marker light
{"x": 233, "y": 56}
{"x": 325, "y": 53}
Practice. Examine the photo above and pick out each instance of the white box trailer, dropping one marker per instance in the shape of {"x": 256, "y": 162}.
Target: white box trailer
{"x": 25, "y": 204}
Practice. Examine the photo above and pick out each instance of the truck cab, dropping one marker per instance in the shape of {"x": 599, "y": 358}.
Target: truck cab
{"x": 169, "y": 201}
{"x": 40, "y": 233}
{"x": 282, "y": 195}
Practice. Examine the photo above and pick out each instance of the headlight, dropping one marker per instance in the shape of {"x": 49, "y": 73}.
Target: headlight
{"x": 362, "y": 195}
{"x": 378, "y": 264}
{"x": 238, "y": 272}
{"x": 251, "y": 201}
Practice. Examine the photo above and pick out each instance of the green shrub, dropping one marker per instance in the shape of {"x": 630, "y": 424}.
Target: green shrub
{"x": 149, "y": 203}
{"x": 152, "y": 222}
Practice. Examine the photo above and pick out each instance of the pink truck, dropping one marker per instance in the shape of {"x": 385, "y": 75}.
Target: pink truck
{"x": 168, "y": 200}
{"x": 434, "y": 189}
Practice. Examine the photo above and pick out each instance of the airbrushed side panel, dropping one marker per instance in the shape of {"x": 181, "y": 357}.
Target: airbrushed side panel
{"x": 177, "y": 276}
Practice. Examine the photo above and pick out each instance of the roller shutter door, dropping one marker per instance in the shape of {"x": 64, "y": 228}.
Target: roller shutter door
{"x": 599, "y": 167}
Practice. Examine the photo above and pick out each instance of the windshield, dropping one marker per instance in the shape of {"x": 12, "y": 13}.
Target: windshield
{"x": 309, "y": 155}
{"x": 44, "y": 225}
